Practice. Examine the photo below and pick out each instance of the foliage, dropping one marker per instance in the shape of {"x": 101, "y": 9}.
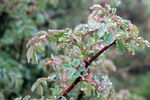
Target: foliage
{"x": 81, "y": 46}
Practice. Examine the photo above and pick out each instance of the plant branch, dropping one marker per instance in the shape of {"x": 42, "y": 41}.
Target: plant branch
{"x": 86, "y": 66}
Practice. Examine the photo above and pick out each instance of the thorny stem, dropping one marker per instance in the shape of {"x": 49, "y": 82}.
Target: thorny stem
{"x": 77, "y": 80}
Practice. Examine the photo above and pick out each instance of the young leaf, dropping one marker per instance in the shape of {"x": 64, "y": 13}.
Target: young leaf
{"x": 109, "y": 38}
{"x": 70, "y": 73}
{"x": 66, "y": 66}
{"x": 101, "y": 31}
{"x": 120, "y": 46}
{"x": 76, "y": 62}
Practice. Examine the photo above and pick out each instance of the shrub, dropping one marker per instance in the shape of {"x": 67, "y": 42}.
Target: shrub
{"x": 83, "y": 61}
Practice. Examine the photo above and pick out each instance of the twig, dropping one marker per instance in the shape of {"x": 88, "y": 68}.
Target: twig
{"x": 77, "y": 80}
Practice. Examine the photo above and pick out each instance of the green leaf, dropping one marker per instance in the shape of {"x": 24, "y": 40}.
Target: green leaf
{"x": 76, "y": 74}
{"x": 63, "y": 98}
{"x": 29, "y": 53}
{"x": 54, "y": 98}
{"x": 109, "y": 38}
{"x": 34, "y": 86}
{"x": 76, "y": 62}
{"x": 40, "y": 90}
{"x": 101, "y": 31}
{"x": 70, "y": 73}
{"x": 120, "y": 46}
{"x": 54, "y": 39}
{"x": 96, "y": 37}
{"x": 85, "y": 73}
{"x": 114, "y": 11}
{"x": 57, "y": 90}
{"x": 82, "y": 68}
{"x": 26, "y": 97}
{"x": 34, "y": 57}
{"x": 66, "y": 66}
{"x": 72, "y": 98}
{"x": 89, "y": 90}
{"x": 44, "y": 83}
{"x": 83, "y": 85}
{"x": 120, "y": 35}
{"x": 63, "y": 39}
{"x": 39, "y": 48}
{"x": 99, "y": 97}
{"x": 60, "y": 34}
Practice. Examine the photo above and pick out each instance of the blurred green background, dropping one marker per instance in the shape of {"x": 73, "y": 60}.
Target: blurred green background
{"x": 21, "y": 19}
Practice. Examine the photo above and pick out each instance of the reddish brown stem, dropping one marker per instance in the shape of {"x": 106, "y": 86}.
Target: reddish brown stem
{"x": 89, "y": 33}
{"x": 86, "y": 66}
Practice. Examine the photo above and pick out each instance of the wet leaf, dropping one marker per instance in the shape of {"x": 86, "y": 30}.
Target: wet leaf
{"x": 82, "y": 68}
{"x": 66, "y": 66}
{"x": 109, "y": 38}
{"x": 76, "y": 62}
{"x": 101, "y": 31}
{"x": 76, "y": 74}
{"x": 120, "y": 47}
{"x": 70, "y": 73}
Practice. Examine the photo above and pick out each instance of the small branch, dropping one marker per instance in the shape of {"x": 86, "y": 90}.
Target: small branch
{"x": 100, "y": 52}
{"x": 88, "y": 33}
{"x": 86, "y": 66}
{"x": 72, "y": 86}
